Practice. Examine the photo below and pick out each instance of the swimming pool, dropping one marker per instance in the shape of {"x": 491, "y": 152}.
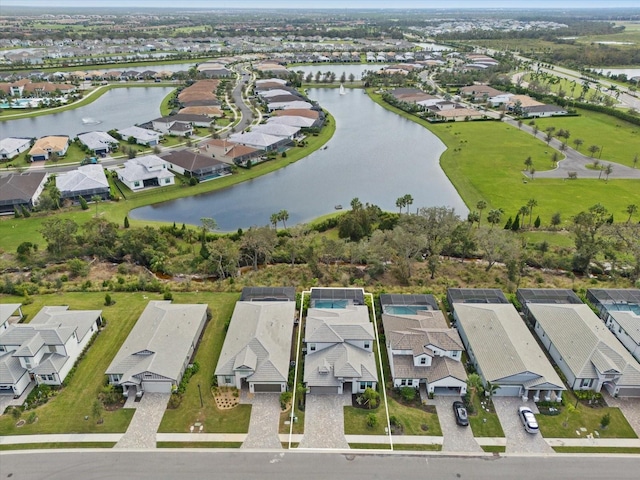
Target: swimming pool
{"x": 404, "y": 309}
{"x": 330, "y": 304}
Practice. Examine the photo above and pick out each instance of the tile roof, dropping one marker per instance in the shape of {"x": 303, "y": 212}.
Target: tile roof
{"x": 22, "y": 186}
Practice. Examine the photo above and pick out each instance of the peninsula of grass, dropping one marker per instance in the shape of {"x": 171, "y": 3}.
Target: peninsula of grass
{"x": 484, "y": 161}
{"x": 14, "y": 231}
{"x": 190, "y": 411}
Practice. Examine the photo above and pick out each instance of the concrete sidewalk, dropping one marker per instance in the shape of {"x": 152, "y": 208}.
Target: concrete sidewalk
{"x": 61, "y": 438}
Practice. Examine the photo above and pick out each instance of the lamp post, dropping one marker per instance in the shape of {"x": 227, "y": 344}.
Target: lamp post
{"x": 200, "y": 392}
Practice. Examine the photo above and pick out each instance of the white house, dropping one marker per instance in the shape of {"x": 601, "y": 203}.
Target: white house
{"x": 257, "y": 347}
{"x": 143, "y": 136}
{"x": 586, "y": 351}
{"x": 259, "y": 141}
{"x": 339, "y": 343}
{"x": 424, "y": 350}
{"x": 46, "y": 348}
{"x": 294, "y": 121}
{"x": 9, "y": 311}
{"x": 288, "y": 105}
{"x": 158, "y": 349}
{"x": 277, "y": 130}
{"x": 13, "y": 146}
{"x": 100, "y": 143}
{"x": 504, "y": 351}
{"x": 21, "y": 190}
{"x": 85, "y": 181}
{"x": 145, "y": 172}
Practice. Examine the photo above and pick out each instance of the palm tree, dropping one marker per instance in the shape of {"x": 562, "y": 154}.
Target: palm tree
{"x": 635, "y": 161}
{"x": 274, "y": 220}
{"x": 524, "y": 211}
{"x": 481, "y": 205}
{"x": 283, "y": 216}
{"x": 631, "y": 209}
{"x": 531, "y": 204}
{"x": 491, "y": 389}
{"x": 474, "y": 383}
{"x": 400, "y": 203}
{"x": 577, "y": 142}
{"x": 473, "y": 217}
{"x": 608, "y": 170}
{"x": 593, "y": 149}
{"x": 494, "y": 216}
{"x": 54, "y": 194}
{"x": 528, "y": 162}
{"x": 408, "y": 201}
{"x": 96, "y": 199}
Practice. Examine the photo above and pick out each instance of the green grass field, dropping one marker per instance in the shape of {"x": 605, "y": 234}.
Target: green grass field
{"x": 415, "y": 421}
{"x": 567, "y": 423}
{"x": 483, "y": 423}
{"x": 355, "y": 421}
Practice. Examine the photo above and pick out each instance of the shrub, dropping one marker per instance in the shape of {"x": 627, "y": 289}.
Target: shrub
{"x": 83, "y": 204}
{"x": 168, "y": 295}
{"x": 285, "y": 398}
{"x": 78, "y": 268}
{"x": 110, "y": 395}
{"x": 605, "y": 420}
{"x": 408, "y": 394}
{"x": 32, "y": 417}
{"x": 107, "y": 300}
{"x": 372, "y": 420}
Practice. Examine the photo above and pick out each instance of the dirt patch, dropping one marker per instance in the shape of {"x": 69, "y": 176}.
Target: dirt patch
{"x": 226, "y": 397}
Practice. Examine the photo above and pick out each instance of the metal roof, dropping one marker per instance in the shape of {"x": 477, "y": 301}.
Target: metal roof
{"x": 426, "y": 300}
{"x": 355, "y": 295}
{"x": 267, "y": 294}
{"x": 476, "y": 295}
{"x": 615, "y": 295}
{"x": 549, "y": 295}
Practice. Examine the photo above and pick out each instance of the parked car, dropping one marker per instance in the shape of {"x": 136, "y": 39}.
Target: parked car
{"x": 460, "y": 412}
{"x": 528, "y": 419}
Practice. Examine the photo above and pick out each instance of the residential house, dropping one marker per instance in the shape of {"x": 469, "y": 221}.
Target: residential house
{"x": 260, "y": 141}
{"x": 19, "y": 190}
{"x": 230, "y": 152}
{"x": 10, "y": 313}
{"x": 193, "y": 120}
{"x": 540, "y": 111}
{"x": 145, "y": 172}
{"x": 11, "y": 147}
{"x": 257, "y": 348}
{"x": 289, "y": 104}
{"x": 168, "y": 126}
{"x": 501, "y": 347}
{"x": 588, "y": 354}
{"x": 190, "y": 164}
{"x": 558, "y": 296}
{"x": 86, "y": 181}
{"x": 339, "y": 339}
{"x": 423, "y": 351}
{"x": 46, "y": 348}
{"x": 142, "y": 136}
{"x": 44, "y": 147}
{"x": 278, "y": 130}
{"x": 100, "y": 143}
{"x": 293, "y": 121}
{"x": 620, "y": 310}
{"x": 479, "y": 93}
{"x": 159, "y": 348}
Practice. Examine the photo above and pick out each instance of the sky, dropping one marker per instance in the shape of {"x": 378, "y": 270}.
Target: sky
{"x": 302, "y": 4}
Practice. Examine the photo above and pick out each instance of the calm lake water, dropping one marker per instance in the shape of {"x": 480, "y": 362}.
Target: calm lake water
{"x": 375, "y": 155}
{"x": 117, "y": 108}
{"x": 629, "y": 72}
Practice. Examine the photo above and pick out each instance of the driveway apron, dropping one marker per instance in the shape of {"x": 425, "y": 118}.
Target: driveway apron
{"x": 145, "y": 422}
{"x": 265, "y": 421}
{"x": 324, "y": 421}
{"x": 456, "y": 438}
{"x": 518, "y": 440}
{"x": 630, "y": 408}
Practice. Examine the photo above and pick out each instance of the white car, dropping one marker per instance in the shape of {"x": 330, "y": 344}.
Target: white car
{"x": 528, "y": 420}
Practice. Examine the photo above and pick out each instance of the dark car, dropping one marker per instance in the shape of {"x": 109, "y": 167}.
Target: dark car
{"x": 460, "y": 412}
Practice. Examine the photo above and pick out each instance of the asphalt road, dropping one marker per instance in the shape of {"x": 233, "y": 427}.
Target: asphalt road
{"x": 53, "y": 465}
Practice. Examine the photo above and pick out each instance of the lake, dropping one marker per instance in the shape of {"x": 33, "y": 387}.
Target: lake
{"x": 117, "y": 108}
{"x": 375, "y": 155}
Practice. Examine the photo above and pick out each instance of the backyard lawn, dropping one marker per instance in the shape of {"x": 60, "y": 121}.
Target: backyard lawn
{"x": 234, "y": 420}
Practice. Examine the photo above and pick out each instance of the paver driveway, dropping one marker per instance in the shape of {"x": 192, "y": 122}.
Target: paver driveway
{"x": 324, "y": 421}
{"x": 265, "y": 421}
{"x": 518, "y": 441}
{"x": 630, "y": 408}
{"x": 456, "y": 438}
{"x": 145, "y": 422}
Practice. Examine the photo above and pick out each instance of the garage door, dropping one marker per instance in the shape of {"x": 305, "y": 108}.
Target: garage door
{"x": 323, "y": 390}
{"x": 444, "y": 391}
{"x": 266, "y": 387}
{"x": 157, "y": 387}
{"x": 629, "y": 392}
{"x": 6, "y": 389}
{"x": 508, "y": 391}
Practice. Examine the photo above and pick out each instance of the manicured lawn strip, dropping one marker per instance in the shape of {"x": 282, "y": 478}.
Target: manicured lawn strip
{"x": 634, "y": 450}
{"x": 557, "y": 239}
{"x": 15, "y": 231}
{"x": 56, "y": 445}
{"x": 298, "y": 426}
{"x": 564, "y": 84}
{"x": 235, "y": 420}
{"x": 416, "y": 448}
{"x": 66, "y": 411}
{"x": 483, "y": 423}
{"x": 412, "y": 419}
{"x": 619, "y": 140}
{"x": 474, "y": 176}
{"x": 355, "y": 421}
{"x": 370, "y": 446}
{"x": 494, "y": 448}
{"x": 198, "y": 444}
{"x": 587, "y": 417}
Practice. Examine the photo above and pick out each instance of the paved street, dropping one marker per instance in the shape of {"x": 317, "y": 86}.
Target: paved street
{"x": 145, "y": 422}
{"x": 264, "y": 423}
{"x": 324, "y": 421}
{"x": 518, "y": 440}
{"x": 456, "y": 438}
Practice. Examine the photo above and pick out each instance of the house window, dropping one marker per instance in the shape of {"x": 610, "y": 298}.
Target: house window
{"x": 586, "y": 382}
{"x": 136, "y": 184}
{"x": 27, "y": 362}
{"x": 312, "y": 347}
{"x": 167, "y": 180}
{"x": 2, "y": 349}
{"x": 365, "y": 385}
{"x": 423, "y": 361}
{"x": 228, "y": 380}
{"x": 367, "y": 345}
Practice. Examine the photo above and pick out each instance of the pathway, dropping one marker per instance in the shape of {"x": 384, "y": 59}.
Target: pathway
{"x": 324, "y": 421}
{"x": 456, "y": 438}
{"x": 145, "y": 422}
{"x": 265, "y": 421}
{"x": 518, "y": 440}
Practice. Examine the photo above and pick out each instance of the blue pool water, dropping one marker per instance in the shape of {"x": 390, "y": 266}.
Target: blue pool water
{"x": 330, "y": 304}
{"x": 404, "y": 309}
{"x": 630, "y": 307}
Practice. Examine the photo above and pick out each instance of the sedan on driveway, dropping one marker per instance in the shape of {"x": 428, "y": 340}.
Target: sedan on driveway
{"x": 528, "y": 420}
{"x": 460, "y": 413}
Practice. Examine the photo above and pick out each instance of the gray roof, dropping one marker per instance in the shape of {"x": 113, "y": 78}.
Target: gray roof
{"x": 585, "y": 343}
{"x": 12, "y": 144}
{"x": 629, "y": 321}
{"x": 419, "y": 332}
{"x": 325, "y": 367}
{"x": 51, "y": 363}
{"x": 144, "y": 168}
{"x": 294, "y": 121}
{"x": 328, "y": 325}
{"x": 97, "y": 140}
{"x": 143, "y": 134}
{"x": 7, "y": 310}
{"x": 441, "y": 367}
{"x": 502, "y": 344}
{"x": 21, "y": 186}
{"x": 259, "y": 338}
{"x": 255, "y": 139}
{"x": 276, "y": 129}
{"x": 160, "y": 341}
{"x": 86, "y": 177}
{"x": 10, "y": 369}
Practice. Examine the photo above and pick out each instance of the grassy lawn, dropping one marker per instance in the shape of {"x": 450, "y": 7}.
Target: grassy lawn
{"x": 557, "y": 239}
{"x": 235, "y": 420}
{"x": 298, "y": 426}
{"x": 634, "y": 450}
{"x": 483, "y": 423}
{"x": 56, "y": 445}
{"x": 65, "y": 412}
{"x": 494, "y": 448}
{"x": 355, "y": 421}
{"x": 564, "y": 84}
{"x": 417, "y": 448}
{"x": 370, "y": 446}
{"x": 412, "y": 419}
{"x": 496, "y": 175}
{"x": 198, "y": 444}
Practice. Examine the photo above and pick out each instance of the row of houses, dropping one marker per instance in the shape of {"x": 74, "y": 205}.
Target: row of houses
{"x": 520, "y": 105}
{"x": 436, "y": 107}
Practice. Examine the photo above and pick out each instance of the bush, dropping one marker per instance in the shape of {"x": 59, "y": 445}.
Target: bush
{"x": 605, "y": 420}
{"x": 110, "y": 395}
{"x": 372, "y": 420}
{"x": 408, "y": 394}
{"x": 78, "y": 268}
{"x": 107, "y": 300}
{"x": 168, "y": 295}
{"x": 285, "y": 398}
{"x": 83, "y": 204}
{"x": 32, "y": 417}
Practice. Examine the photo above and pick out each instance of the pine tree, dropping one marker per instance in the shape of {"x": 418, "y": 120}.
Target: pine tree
{"x": 516, "y": 223}
{"x": 126, "y": 222}
{"x": 83, "y": 203}
{"x": 507, "y": 226}
{"x": 537, "y": 222}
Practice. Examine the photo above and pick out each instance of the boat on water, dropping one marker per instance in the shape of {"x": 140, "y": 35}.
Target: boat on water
{"x": 342, "y": 90}
{"x": 338, "y": 207}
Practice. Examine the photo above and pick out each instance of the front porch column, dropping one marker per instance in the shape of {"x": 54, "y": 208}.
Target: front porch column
{"x": 536, "y": 396}
{"x": 547, "y": 397}
{"x": 558, "y": 396}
